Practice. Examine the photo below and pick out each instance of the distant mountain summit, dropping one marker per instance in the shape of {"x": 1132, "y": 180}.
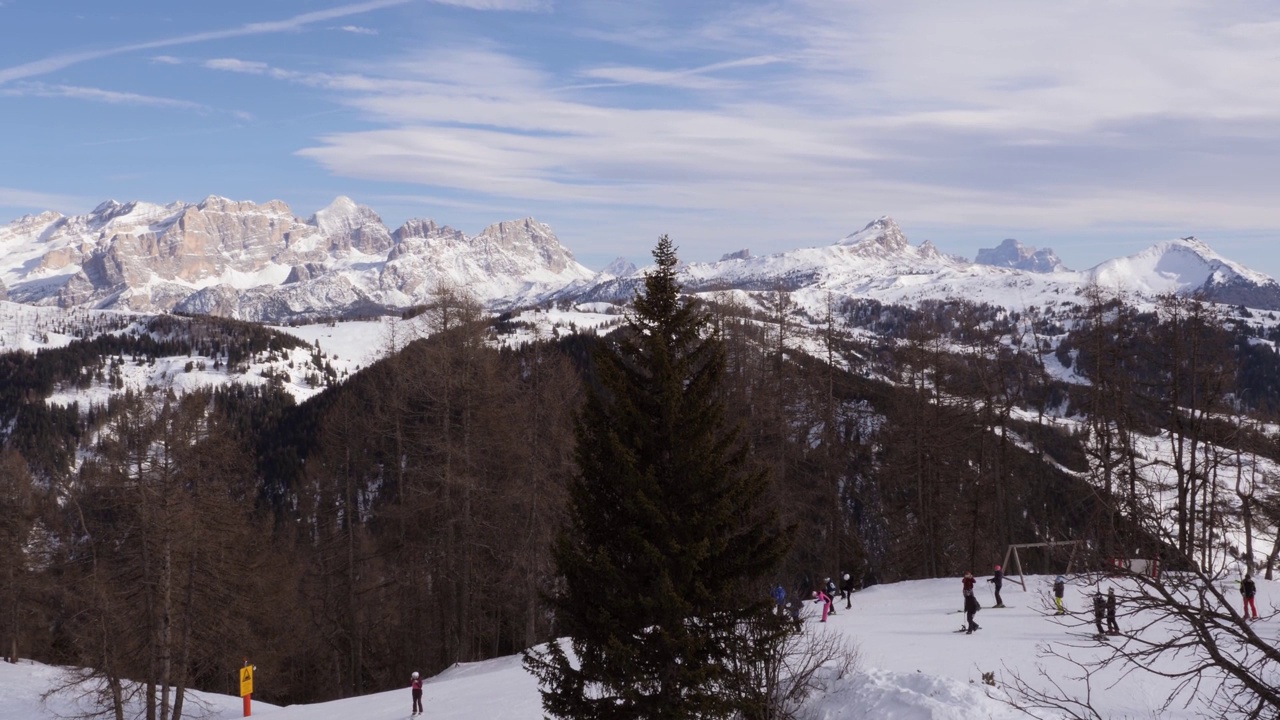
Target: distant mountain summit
{"x": 1013, "y": 254}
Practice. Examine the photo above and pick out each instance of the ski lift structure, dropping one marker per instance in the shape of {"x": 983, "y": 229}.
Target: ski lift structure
{"x": 1012, "y": 554}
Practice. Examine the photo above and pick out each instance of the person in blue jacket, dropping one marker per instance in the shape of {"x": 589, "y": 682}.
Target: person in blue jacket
{"x": 780, "y": 598}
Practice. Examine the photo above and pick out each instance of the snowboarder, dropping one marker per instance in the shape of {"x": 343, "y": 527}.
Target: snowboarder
{"x": 1112, "y": 627}
{"x": 416, "y": 686}
{"x": 846, "y": 590}
{"x": 1059, "y": 585}
{"x": 1099, "y": 609}
{"x": 1249, "y": 590}
{"x": 998, "y": 579}
{"x": 971, "y": 606}
{"x": 830, "y": 591}
{"x": 825, "y": 599}
{"x": 780, "y": 598}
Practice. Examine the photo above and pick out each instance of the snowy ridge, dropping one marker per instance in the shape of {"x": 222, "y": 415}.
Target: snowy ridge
{"x": 879, "y": 263}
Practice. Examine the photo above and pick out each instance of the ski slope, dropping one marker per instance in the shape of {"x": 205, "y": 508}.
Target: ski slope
{"x": 914, "y": 666}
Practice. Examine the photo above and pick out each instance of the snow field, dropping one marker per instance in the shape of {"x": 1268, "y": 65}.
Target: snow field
{"x": 913, "y": 665}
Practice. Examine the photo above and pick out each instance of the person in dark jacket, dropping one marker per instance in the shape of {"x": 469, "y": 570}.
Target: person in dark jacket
{"x": 971, "y": 606}
{"x": 1249, "y": 590}
{"x": 830, "y": 590}
{"x": 1112, "y": 627}
{"x": 997, "y": 579}
{"x": 779, "y": 598}
{"x": 1059, "y": 586}
{"x": 846, "y": 591}
{"x": 1099, "y": 609}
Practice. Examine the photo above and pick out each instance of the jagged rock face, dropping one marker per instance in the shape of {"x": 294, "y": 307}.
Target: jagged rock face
{"x": 1013, "y": 254}
{"x": 507, "y": 245}
{"x": 739, "y": 255}
{"x": 4, "y": 291}
{"x": 424, "y": 230}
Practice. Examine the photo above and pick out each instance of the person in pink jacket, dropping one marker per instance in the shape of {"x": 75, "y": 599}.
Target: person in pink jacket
{"x": 825, "y": 599}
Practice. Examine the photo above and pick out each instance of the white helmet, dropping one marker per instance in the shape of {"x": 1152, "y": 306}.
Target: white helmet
{"x": 846, "y": 576}
{"x": 415, "y": 676}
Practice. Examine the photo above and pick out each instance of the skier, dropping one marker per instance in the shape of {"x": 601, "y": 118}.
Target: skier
{"x": 971, "y": 606}
{"x": 1249, "y": 590}
{"x": 825, "y": 599}
{"x": 1059, "y": 585}
{"x": 1112, "y": 627}
{"x": 831, "y": 591}
{"x": 846, "y": 590}
{"x": 416, "y": 685}
{"x": 1099, "y": 609}
{"x": 967, "y": 585}
{"x": 779, "y": 598}
{"x": 998, "y": 580}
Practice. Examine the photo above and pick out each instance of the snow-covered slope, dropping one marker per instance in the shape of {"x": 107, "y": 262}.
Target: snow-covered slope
{"x": 913, "y": 665}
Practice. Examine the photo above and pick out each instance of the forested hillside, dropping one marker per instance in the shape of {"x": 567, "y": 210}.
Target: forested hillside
{"x": 404, "y": 517}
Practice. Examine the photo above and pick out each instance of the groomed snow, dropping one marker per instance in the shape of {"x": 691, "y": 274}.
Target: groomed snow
{"x": 913, "y": 665}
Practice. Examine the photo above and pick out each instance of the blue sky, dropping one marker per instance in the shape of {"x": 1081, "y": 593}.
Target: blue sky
{"x": 1091, "y": 126}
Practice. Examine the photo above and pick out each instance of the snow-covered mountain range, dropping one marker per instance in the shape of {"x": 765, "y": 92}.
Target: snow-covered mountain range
{"x": 261, "y": 262}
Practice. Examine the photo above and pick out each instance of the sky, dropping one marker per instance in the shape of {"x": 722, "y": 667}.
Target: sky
{"x": 1093, "y": 127}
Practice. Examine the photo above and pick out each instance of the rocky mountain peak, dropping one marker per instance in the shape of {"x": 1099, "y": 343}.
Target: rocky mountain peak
{"x": 881, "y": 233}
{"x": 528, "y": 239}
{"x": 1013, "y": 254}
{"x": 620, "y": 267}
{"x": 349, "y": 225}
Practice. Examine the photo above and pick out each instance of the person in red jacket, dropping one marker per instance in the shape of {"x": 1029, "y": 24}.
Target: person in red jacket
{"x": 416, "y": 686}
{"x": 968, "y": 586}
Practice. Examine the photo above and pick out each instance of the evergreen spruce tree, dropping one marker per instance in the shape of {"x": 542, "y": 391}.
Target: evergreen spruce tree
{"x": 665, "y": 556}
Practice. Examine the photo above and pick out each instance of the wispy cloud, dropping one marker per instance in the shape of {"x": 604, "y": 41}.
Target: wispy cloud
{"x": 291, "y": 24}
{"x": 38, "y": 89}
{"x": 358, "y": 30}
{"x": 234, "y": 65}
{"x": 699, "y": 78}
{"x": 166, "y": 60}
{"x": 19, "y": 198}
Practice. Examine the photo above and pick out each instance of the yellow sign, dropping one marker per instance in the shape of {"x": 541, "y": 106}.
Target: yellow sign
{"x": 246, "y": 680}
